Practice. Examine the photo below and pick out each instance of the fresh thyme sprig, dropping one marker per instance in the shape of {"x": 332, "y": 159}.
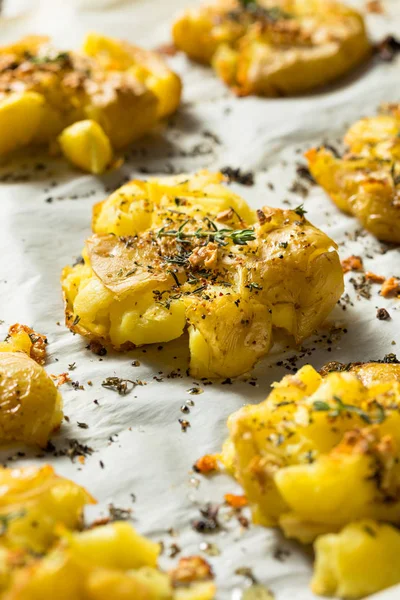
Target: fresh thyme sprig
{"x": 239, "y": 237}
{"x": 119, "y": 385}
{"x": 341, "y": 408}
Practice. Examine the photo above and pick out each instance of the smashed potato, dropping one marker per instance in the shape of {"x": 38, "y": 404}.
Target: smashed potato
{"x": 364, "y": 182}
{"x": 107, "y": 561}
{"x": 360, "y": 560}
{"x": 185, "y": 251}
{"x": 319, "y": 455}
{"x": 30, "y": 403}
{"x": 34, "y": 501}
{"x": 43, "y": 553}
{"x": 274, "y": 47}
{"x": 119, "y": 88}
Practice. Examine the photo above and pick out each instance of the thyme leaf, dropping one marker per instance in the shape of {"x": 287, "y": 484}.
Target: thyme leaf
{"x": 254, "y": 286}
{"x": 300, "y": 210}
{"x": 319, "y": 405}
{"x": 44, "y": 60}
{"x": 342, "y": 408}
{"x": 174, "y": 277}
{"x": 5, "y": 520}
{"x": 275, "y": 13}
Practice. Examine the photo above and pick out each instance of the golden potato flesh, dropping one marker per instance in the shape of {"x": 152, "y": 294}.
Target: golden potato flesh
{"x": 362, "y": 559}
{"x": 364, "y": 182}
{"x": 185, "y": 251}
{"x": 30, "y": 403}
{"x": 107, "y": 561}
{"x": 147, "y": 67}
{"x": 33, "y": 503}
{"x": 320, "y": 454}
{"x": 274, "y": 47}
{"x": 124, "y": 89}
{"x": 44, "y": 554}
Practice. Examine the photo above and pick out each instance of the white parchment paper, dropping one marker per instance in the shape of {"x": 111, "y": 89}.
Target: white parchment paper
{"x": 45, "y": 212}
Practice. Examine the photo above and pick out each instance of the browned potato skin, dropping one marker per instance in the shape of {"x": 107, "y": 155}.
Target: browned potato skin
{"x": 30, "y": 403}
{"x": 274, "y": 56}
{"x": 368, "y": 372}
{"x": 364, "y": 182}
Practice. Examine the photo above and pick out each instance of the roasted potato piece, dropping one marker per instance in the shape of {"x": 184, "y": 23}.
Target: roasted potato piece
{"x": 121, "y": 89}
{"x": 95, "y": 564}
{"x": 33, "y": 503}
{"x": 274, "y": 47}
{"x": 30, "y": 403}
{"x": 364, "y": 182}
{"x": 189, "y": 253}
{"x": 22, "y": 338}
{"x": 360, "y": 560}
{"x": 109, "y": 560}
{"x": 86, "y": 145}
{"x": 43, "y": 552}
{"x": 322, "y": 452}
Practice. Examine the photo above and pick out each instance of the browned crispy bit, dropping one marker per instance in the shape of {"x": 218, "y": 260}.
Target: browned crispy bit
{"x": 205, "y": 256}
{"x": 332, "y": 366}
{"x": 374, "y": 278}
{"x": 352, "y": 263}
{"x": 225, "y": 215}
{"x": 206, "y": 464}
{"x": 261, "y": 216}
{"x": 375, "y": 6}
{"x": 61, "y": 378}
{"x": 39, "y": 341}
{"x": 358, "y": 441}
{"x": 189, "y": 569}
{"x": 167, "y": 49}
{"x": 382, "y": 314}
{"x": 235, "y": 501}
{"x": 97, "y": 348}
{"x": 390, "y": 287}
{"x": 388, "y": 48}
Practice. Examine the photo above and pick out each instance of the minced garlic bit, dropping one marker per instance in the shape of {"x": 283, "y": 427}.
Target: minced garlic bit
{"x": 390, "y": 287}
{"x": 191, "y": 568}
{"x": 352, "y": 263}
{"x": 206, "y": 464}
